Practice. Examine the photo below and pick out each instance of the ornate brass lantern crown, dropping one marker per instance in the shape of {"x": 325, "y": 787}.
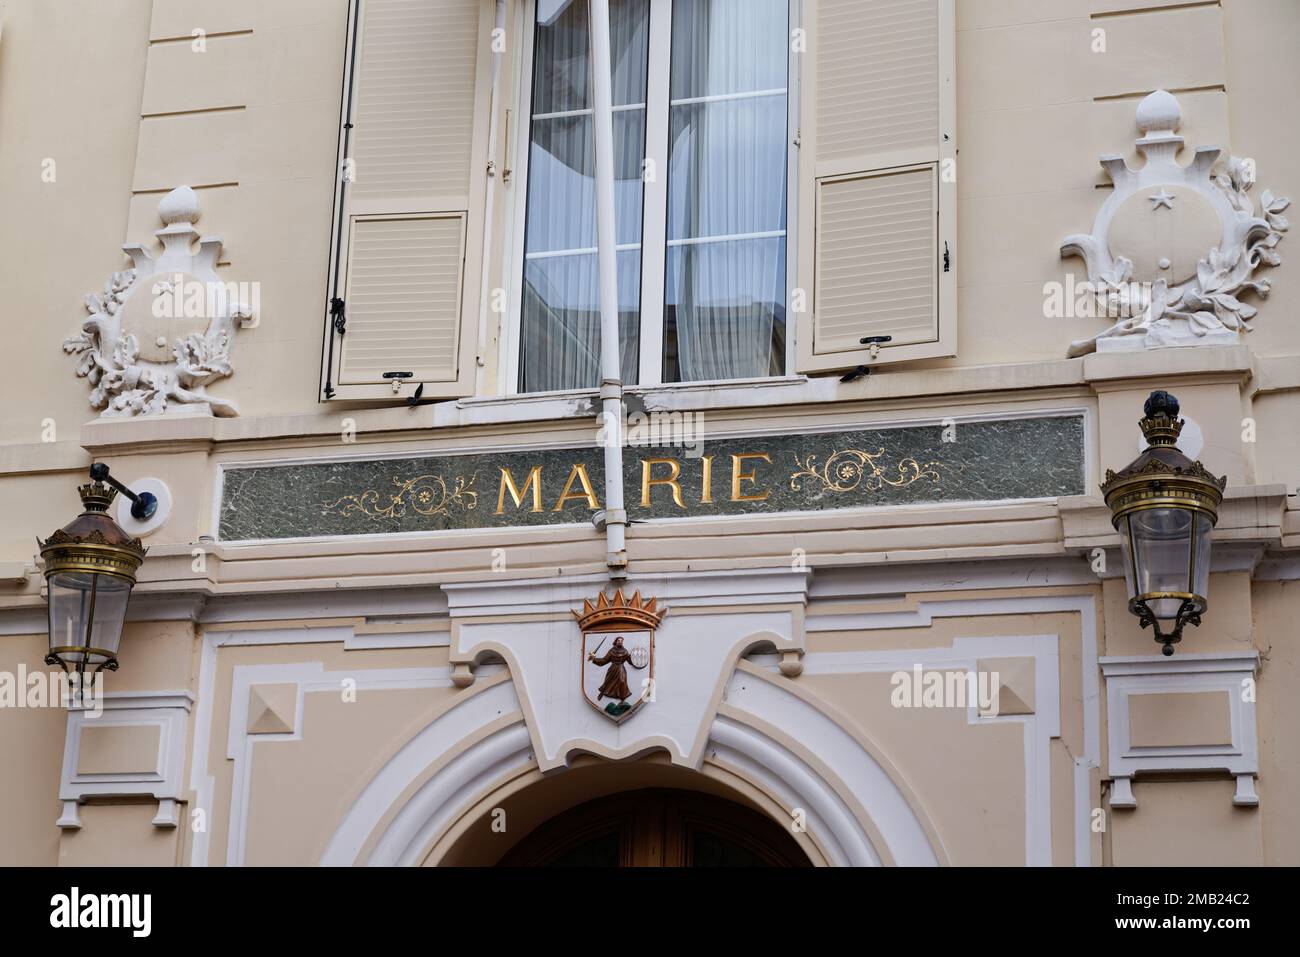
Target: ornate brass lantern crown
{"x": 1162, "y": 475}
{"x": 93, "y": 542}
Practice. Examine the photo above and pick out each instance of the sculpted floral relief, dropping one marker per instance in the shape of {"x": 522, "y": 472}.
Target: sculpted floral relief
{"x": 161, "y": 332}
{"x": 1139, "y": 270}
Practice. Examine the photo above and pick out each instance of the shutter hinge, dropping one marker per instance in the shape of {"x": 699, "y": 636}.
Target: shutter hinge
{"x": 339, "y": 313}
{"x": 798, "y": 138}
{"x": 947, "y": 259}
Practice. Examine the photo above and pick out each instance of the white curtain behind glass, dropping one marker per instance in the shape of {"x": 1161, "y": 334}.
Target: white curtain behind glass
{"x": 560, "y": 319}
{"x": 724, "y": 302}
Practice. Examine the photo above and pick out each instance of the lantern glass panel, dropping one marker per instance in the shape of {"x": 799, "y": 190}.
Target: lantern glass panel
{"x": 1201, "y": 572}
{"x": 78, "y": 596}
{"x": 1162, "y": 553}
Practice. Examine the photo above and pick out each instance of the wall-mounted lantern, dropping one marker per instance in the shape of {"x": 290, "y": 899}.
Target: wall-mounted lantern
{"x": 90, "y": 568}
{"x": 1164, "y": 507}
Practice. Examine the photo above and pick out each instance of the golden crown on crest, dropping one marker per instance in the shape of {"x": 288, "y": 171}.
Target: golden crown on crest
{"x": 619, "y": 612}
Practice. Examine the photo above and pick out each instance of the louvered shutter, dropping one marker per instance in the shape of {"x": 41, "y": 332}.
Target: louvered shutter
{"x": 410, "y": 224}
{"x": 876, "y": 196}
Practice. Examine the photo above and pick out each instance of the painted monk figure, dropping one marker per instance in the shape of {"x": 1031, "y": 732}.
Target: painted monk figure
{"x": 615, "y": 685}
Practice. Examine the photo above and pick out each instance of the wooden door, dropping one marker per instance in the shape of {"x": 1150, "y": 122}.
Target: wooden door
{"x": 658, "y": 828}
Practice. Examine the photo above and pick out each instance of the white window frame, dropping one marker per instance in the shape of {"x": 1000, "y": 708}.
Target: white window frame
{"x": 654, "y": 212}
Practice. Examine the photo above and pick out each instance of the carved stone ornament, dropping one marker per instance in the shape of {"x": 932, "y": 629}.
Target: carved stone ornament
{"x": 161, "y": 331}
{"x": 1174, "y": 247}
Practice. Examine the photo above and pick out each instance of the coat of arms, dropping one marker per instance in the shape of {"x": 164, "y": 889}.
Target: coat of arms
{"x": 618, "y": 652}
{"x": 1147, "y": 258}
{"x": 161, "y": 332}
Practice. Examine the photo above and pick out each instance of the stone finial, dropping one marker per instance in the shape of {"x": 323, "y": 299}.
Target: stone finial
{"x": 1159, "y": 112}
{"x": 181, "y": 205}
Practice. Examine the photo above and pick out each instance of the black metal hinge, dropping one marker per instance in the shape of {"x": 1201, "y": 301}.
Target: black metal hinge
{"x": 338, "y": 309}
{"x": 947, "y": 259}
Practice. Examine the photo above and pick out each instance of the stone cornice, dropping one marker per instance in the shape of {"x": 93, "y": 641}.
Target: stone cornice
{"x": 891, "y": 550}
{"x": 497, "y": 414}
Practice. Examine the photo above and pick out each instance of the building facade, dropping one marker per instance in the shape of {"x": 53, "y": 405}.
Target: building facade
{"x": 814, "y": 568}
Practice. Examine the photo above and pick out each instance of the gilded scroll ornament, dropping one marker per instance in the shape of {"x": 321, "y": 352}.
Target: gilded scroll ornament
{"x": 424, "y": 494}
{"x": 849, "y": 469}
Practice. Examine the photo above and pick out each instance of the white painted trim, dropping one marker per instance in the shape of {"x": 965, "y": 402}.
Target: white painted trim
{"x": 168, "y": 711}
{"x": 1278, "y": 568}
{"x": 727, "y": 238}
{"x": 559, "y": 596}
{"x": 411, "y": 639}
{"x": 1039, "y": 728}
{"x": 859, "y": 772}
{"x": 1189, "y": 673}
{"x": 654, "y": 196}
{"x": 309, "y": 677}
{"x": 1083, "y": 605}
{"x": 410, "y": 762}
{"x": 764, "y": 761}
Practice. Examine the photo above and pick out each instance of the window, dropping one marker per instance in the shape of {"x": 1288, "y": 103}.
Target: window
{"x": 700, "y": 114}
{"x": 717, "y": 277}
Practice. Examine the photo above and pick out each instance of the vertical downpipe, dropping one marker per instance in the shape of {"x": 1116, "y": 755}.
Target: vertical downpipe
{"x": 611, "y": 375}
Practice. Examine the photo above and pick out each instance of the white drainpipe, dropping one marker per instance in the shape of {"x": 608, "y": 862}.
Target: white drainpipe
{"x": 611, "y": 381}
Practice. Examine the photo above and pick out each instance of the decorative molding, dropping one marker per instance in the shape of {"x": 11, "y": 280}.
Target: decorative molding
{"x": 716, "y": 618}
{"x": 1225, "y": 672}
{"x": 1042, "y": 721}
{"x": 1146, "y": 258}
{"x": 138, "y": 361}
{"x": 168, "y": 711}
{"x": 924, "y": 615}
{"x": 404, "y": 809}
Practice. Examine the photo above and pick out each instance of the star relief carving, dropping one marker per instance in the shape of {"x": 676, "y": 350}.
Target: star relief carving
{"x": 1161, "y": 198}
{"x": 1176, "y": 278}
{"x": 161, "y": 331}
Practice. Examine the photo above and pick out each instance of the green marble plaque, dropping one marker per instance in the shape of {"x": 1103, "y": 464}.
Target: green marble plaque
{"x": 1039, "y": 457}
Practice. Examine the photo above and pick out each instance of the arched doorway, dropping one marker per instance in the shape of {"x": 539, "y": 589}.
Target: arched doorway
{"x": 657, "y": 827}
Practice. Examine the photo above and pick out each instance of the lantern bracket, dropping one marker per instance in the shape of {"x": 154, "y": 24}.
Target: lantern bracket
{"x": 143, "y": 504}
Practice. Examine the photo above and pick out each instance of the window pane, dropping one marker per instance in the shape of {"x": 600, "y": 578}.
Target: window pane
{"x": 561, "y": 340}
{"x": 560, "y": 317}
{"x": 725, "y": 291}
{"x": 728, "y": 46}
{"x": 724, "y": 317}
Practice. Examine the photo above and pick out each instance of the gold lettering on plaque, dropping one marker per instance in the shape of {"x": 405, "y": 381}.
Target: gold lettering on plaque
{"x": 738, "y": 476}
{"x": 580, "y": 474}
{"x": 534, "y": 481}
{"x": 706, "y": 480}
{"x": 647, "y": 481}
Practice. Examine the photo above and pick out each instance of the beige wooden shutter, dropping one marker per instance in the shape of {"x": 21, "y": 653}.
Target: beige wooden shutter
{"x": 410, "y": 227}
{"x": 876, "y": 220}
